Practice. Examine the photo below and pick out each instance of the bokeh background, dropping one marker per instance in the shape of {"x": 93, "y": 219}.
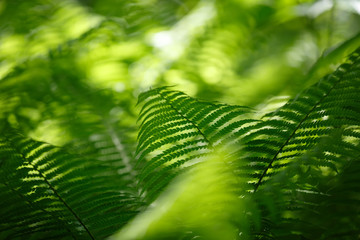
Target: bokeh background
{"x": 85, "y": 62}
{"x": 71, "y": 72}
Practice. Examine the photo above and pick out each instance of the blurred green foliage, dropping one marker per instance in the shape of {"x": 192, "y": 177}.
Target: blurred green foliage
{"x": 240, "y": 51}
{"x": 71, "y": 71}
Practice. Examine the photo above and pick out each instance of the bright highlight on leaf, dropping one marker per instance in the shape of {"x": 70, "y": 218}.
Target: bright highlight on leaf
{"x": 203, "y": 201}
{"x": 246, "y": 126}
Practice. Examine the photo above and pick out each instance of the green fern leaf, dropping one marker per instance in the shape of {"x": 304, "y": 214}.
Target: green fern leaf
{"x": 309, "y": 196}
{"x": 49, "y": 194}
{"x": 298, "y": 126}
{"x": 310, "y": 139}
{"x": 177, "y": 130}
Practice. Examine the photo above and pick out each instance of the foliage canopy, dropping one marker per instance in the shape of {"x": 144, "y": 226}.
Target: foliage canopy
{"x": 192, "y": 119}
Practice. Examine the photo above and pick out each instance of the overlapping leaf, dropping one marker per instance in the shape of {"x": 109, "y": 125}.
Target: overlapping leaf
{"x": 305, "y": 145}
{"x": 47, "y": 193}
{"x": 298, "y": 126}
{"x": 177, "y": 130}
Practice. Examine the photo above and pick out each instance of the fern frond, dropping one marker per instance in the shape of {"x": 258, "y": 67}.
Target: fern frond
{"x": 300, "y": 124}
{"x": 309, "y": 139}
{"x": 319, "y": 142}
{"x": 200, "y": 203}
{"x": 175, "y": 130}
{"x": 309, "y": 198}
{"x": 87, "y": 118}
{"x": 48, "y": 193}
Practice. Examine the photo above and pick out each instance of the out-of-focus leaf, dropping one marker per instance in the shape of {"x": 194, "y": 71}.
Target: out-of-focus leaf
{"x": 201, "y": 203}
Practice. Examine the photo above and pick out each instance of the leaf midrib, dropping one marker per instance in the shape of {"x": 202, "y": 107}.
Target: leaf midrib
{"x": 54, "y": 191}
{"x": 183, "y": 116}
{"x": 292, "y": 135}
